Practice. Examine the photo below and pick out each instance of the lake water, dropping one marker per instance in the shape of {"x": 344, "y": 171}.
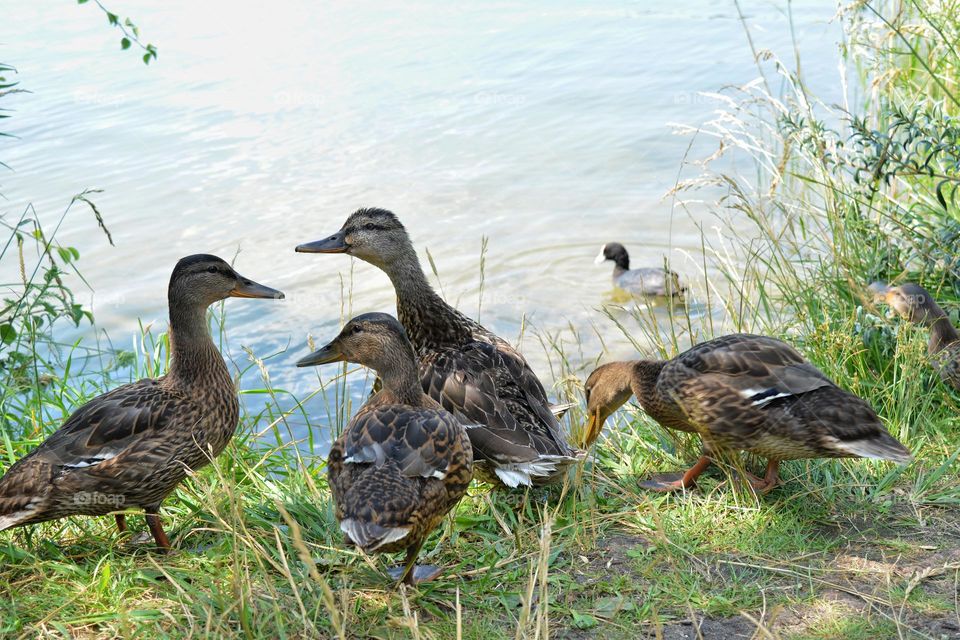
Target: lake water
{"x": 543, "y": 127}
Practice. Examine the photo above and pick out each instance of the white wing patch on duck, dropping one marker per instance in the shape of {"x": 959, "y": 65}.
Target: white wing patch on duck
{"x": 376, "y": 455}
{"x": 515, "y": 474}
{"x": 763, "y": 396}
{"x": 370, "y": 454}
{"x": 91, "y": 461}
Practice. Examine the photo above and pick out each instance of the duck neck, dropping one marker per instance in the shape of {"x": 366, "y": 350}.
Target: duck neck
{"x": 427, "y": 319}
{"x": 400, "y": 378}
{"x": 644, "y": 384}
{"x": 194, "y": 356}
{"x": 942, "y": 333}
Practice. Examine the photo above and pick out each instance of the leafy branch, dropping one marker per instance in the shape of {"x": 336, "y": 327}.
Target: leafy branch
{"x": 920, "y": 143}
{"x": 130, "y": 31}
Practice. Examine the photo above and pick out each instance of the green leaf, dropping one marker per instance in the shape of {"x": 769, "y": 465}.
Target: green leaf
{"x": 611, "y": 605}
{"x": 7, "y": 333}
{"x": 583, "y": 620}
{"x": 146, "y": 58}
{"x": 112, "y": 18}
{"x": 125, "y": 43}
{"x": 940, "y": 197}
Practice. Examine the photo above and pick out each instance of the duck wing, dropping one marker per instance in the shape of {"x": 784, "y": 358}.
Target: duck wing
{"x": 421, "y": 442}
{"x": 492, "y": 390}
{"x": 396, "y": 469}
{"x": 99, "y": 440}
{"x": 114, "y": 423}
{"x": 759, "y": 368}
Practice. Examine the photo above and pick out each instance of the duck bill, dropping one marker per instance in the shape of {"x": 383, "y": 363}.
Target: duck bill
{"x": 323, "y": 355}
{"x": 880, "y": 291}
{"x": 247, "y": 288}
{"x": 594, "y": 426}
{"x": 600, "y": 259}
{"x": 337, "y": 243}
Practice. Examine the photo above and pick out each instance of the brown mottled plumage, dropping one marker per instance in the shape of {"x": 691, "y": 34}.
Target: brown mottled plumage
{"x": 915, "y": 304}
{"x": 473, "y": 373}
{"x": 130, "y": 447}
{"x": 744, "y": 392}
{"x": 403, "y": 461}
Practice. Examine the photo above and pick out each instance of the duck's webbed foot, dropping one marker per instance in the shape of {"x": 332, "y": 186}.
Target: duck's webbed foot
{"x": 417, "y": 574}
{"x": 410, "y": 574}
{"x": 769, "y": 481}
{"x": 666, "y": 482}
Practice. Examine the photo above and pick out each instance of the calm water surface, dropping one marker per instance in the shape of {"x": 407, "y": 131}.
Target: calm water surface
{"x": 542, "y": 127}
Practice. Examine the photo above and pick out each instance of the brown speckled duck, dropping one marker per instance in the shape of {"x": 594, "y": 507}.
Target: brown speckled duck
{"x": 130, "y": 447}
{"x": 473, "y": 373}
{"x": 915, "y": 304}
{"x": 744, "y": 392}
{"x": 403, "y": 461}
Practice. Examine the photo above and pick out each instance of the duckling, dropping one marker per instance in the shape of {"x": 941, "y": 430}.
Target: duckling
{"x": 645, "y": 281}
{"x": 131, "y": 446}
{"x": 915, "y": 304}
{"x": 403, "y": 462}
{"x": 743, "y": 392}
{"x": 473, "y": 373}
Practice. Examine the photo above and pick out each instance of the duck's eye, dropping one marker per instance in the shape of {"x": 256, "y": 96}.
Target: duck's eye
{"x": 370, "y": 226}
{"x": 212, "y": 270}
{"x": 356, "y": 329}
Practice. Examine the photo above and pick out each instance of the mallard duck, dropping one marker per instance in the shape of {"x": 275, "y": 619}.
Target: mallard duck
{"x": 472, "y": 372}
{"x": 915, "y": 304}
{"x": 403, "y": 462}
{"x": 645, "y": 281}
{"x": 744, "y": 392}
{"x": 130, "y": 447}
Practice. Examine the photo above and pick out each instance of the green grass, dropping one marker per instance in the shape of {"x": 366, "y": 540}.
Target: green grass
{"x": 259, "y": 553}
{"x": 843, "y": 549}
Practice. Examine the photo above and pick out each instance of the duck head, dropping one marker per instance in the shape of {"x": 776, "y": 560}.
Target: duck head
{"x": 373, "y": 235}
{"x": 910, "y": 301}
{"x": 374, "y": 340}
{"x": 607, "y": 388}
{"x": 203, "y": 279}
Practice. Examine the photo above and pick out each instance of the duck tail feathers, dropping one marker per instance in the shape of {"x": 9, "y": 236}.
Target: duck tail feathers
{"x": 370, "y": 536}
{"x": 885, "y": 448}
